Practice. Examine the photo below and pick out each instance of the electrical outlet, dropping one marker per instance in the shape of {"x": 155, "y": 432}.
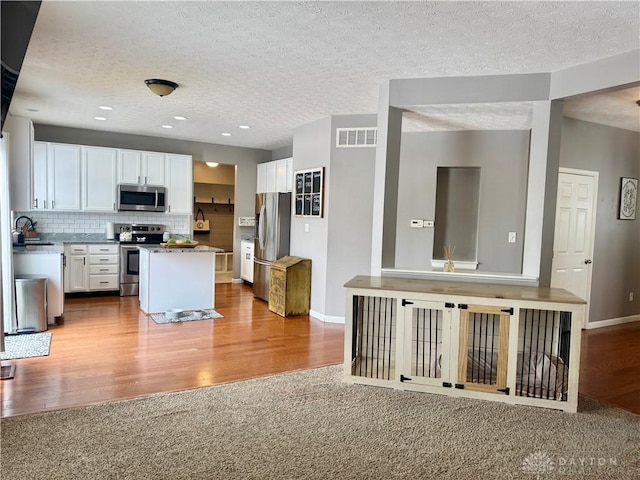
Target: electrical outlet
{"x": 631, "y": 296}
{"x": 512, "y": 237}
{"x": 428, "y": 224}
{"x": 306, "y": 228}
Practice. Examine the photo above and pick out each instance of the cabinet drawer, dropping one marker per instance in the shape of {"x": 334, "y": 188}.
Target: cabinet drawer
{"x": 103, "y": 269}
{"x": 104, "y": 249}
{"x": 77, "y": 249}
{"x": 104, "y": 282}
{"x": 103, "y": 259}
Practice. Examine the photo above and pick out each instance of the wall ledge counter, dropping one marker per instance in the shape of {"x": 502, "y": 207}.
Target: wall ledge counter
{"x": 462, "y": 276}
{"x": 183, "y": 280}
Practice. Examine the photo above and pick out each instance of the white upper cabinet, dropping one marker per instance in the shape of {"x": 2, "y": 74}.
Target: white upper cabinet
{"x": 129, "y": 166}
{"x": 64, "y": 176}
{"x": 99, "y": 179}
{"x": 261, "y": 186}
{"x": 20, "y": 153}
{"x": 179, "y": 184}
{"x": 141, "y": 168}
{"x": 40, "y": 196}
{"x": 153, "y": 168}
{"x": 275, "y": 176}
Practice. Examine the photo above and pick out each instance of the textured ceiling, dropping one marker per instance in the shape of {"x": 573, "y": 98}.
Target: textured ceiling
{"x": 277, "y": 65}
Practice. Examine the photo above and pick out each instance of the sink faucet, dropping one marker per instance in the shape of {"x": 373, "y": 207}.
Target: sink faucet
{"x": 30, "y": 223}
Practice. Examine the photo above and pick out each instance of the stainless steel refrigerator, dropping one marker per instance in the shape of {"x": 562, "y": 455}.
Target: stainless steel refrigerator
{"x": 273, "y": 225}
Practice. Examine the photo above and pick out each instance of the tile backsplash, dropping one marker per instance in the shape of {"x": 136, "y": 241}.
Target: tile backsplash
{"x": 88, "y": 222}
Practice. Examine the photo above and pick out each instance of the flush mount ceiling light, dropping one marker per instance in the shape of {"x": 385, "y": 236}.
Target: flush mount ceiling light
{"x": 226, "y": 134}
{"x": 161, "y": 87}
{"x": 178, "y": 117}
{"x": 102, "y": 119}
{"x": 105, "y": 107}
{"x": 245, "y": 127}
{"x": 212, "y": 164}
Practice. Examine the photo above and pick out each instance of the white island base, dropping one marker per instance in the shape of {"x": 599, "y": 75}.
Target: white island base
{"x": 177, "y": 279}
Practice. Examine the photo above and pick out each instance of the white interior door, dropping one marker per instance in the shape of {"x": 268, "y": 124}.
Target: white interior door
{"x": 574, "y": 232}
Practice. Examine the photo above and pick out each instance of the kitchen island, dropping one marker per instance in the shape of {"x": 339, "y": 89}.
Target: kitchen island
{"x": 177, "y": 278}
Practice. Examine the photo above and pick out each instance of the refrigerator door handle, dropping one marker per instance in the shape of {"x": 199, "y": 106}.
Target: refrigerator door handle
{"x": 261, "y": 227}
{"x": 262, "y": 262}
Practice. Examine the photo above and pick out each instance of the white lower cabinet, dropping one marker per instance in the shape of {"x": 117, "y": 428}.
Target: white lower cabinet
{"x": 246, "y": 261}
{"x": 103, "y": 267}
{"x": 75, "y": 269}
{"x": 49, "y": 265}
{"x": 91, "y": 268}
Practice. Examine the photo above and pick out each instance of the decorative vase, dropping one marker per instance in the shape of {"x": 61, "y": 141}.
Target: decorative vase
{"x": 449, "y": 267}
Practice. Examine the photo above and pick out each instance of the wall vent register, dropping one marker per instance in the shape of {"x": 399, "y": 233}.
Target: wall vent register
{"x": 357, "y": 137}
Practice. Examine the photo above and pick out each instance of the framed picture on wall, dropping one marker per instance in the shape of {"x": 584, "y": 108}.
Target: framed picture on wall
{"x": 309, "y": 192}
{"x": 628, "y": 198}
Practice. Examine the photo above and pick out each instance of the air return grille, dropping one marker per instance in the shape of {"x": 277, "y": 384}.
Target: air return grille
{"x": 356, "y": 137}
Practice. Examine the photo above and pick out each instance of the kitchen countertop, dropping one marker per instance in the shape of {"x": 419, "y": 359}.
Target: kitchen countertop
{"x": 40, "y": 249}
{"x": 196, "y": 249}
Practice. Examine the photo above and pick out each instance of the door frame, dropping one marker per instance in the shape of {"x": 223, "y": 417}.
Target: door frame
{"x": 594, "y": 206}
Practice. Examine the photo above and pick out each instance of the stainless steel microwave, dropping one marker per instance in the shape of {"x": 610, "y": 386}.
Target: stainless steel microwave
{"x": 146, "y": 198}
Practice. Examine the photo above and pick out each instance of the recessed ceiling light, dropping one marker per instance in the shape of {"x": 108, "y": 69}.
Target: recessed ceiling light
{"x": 244, "y": 126}
{"x": 100, "y": 118}
{"x": 180, "y": 118}
{"x": 225, "y": 134}
{"x": 105, "y": 107}
{"x": 212, "y": 164}
{"x": 167, "y": 126}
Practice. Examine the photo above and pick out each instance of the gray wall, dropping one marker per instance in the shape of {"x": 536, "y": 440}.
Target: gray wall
{"x": 312, "y": 149}
{"x": 245, "y": 160}
{"x": 284, "y": 152}
{"x": 614, "y": 153}
{"x": 339, "y": 243}
{"x": 351, "y": 212}
{"x": 503, "y": 159}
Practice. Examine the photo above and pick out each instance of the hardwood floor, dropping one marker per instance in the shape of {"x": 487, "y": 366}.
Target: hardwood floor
{"x": 108, "y": 350}
{"x": 610, "y": 365}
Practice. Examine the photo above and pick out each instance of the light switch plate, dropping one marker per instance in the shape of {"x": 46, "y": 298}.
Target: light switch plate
{"x": 417, "y": 223}
{"x": 306, "y": 228}
{"x": 512, "y": 237}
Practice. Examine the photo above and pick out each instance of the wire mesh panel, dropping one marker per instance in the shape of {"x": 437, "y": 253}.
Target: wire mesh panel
{"x": 543, "y": 354}
{"x": 426, "y": 342}
{"x": 374, "y": 336}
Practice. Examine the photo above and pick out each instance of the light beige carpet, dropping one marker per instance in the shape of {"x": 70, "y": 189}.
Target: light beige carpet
{"x": 310, "y": 425}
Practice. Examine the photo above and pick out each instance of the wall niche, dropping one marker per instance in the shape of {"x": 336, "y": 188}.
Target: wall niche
{"x": 456, "y": 216}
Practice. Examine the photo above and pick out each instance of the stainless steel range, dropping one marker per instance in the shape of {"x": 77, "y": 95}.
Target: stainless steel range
{"x": 129, "y": 253}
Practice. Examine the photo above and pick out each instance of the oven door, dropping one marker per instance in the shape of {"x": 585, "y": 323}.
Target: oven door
{"x": 129, "y": 270}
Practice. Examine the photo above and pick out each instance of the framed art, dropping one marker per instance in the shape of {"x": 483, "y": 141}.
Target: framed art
{"x": 309, "y": 186}
{"x": 628, "y": 198}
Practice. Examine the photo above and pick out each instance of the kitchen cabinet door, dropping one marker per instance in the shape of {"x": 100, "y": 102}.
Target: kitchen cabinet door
{"x": 272, "y": 175}
{"x": 63, "y": 162}
{"x": 77, "y": 273}
{"x": 281, "y": 175}
{"x": 129, "y": 167}
{"x": 180, "y": 184}
{"x": 261, "y": 186}
{"x": 99, "y": 179}
{"x": 289, "y": 182}
{"x": 153, "y": 168}
{"x": 40, "y": 196}
{"x": 19, "y": 137}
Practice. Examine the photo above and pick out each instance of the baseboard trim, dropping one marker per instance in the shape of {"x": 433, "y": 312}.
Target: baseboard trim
{"x": 613, "y": 321}
{"x": 326, "y": 318}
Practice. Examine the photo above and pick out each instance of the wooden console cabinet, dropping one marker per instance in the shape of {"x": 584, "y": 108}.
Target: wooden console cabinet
{"x": 514, "y": 344}
{"x": 290, "y": 286}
